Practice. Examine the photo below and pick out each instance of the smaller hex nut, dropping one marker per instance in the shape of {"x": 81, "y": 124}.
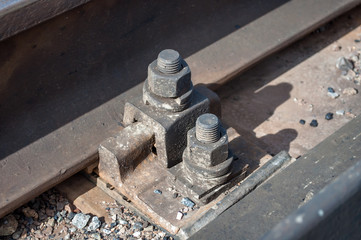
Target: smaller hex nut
{"x": 207, "y": 154}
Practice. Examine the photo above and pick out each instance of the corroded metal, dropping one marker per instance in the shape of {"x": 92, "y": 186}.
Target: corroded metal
{"x": 168, "y": 85}
{"x": 120, "y": 155}
{"x": 169, "y": 106}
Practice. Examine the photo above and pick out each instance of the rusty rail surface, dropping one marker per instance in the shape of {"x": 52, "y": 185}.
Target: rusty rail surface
{"x": 19, "y": 15}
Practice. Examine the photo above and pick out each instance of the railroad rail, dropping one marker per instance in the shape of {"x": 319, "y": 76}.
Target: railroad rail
{"x": 82, "y": 75}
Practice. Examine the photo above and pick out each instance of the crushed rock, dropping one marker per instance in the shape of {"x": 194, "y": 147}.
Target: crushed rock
{"x": 80, "y": 220}
{"x": 57, "y": 220}
{"x": 350, "y": 91}
{"x": 340, "y": 112}
{"x": 8, "y": 225}
{"x": 344, "y": 64}
{"x": 333, "y": 95}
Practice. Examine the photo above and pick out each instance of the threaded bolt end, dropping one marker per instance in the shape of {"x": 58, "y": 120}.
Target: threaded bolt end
{"x": 208, "y": 128}
{"x": 169, "y": 61}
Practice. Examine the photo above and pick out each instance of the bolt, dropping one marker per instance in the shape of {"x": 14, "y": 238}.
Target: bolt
{"x": 169, "y": 61}
{"x": 207, "y": 128}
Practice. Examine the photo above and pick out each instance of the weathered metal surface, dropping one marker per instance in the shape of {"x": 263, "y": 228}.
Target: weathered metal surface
{"x": 168, "y": 87}
{"x": 60, "y": 79}
{"x": 19, "y": 15}
{"x": 261, "y": 210}
{"x": 150, "y": 175}
{"x": 239, "y": 192}
{"x": 170, "y": 128}
{"x": 120, "y": 155}
{"x": 333, "y": 213}
{"x": 208, "y": 167}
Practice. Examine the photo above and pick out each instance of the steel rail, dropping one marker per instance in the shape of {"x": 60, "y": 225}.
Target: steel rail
{"x": 19, "y": 15}
{"x": 56, "y": 156}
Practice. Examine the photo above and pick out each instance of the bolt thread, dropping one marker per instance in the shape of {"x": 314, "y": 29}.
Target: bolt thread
{"x": 169, "y": 61}
{"x": 208, "y": 128}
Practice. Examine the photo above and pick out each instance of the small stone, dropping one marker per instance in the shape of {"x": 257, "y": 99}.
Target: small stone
{"x": 59, "y": 218}
{"x": 340, "y": 112}
{"x": 63, "y": 213}
{"x": 350, "y": 115}
{"x": 157, "y": 191}
{"x": 354, "y": 58}
{"x": 136, "y": 234}
{"x": 310, "y": 107}
{"x": 330, "y": 89}
{"x": 344, "y": 64}
{"x": 175, "y": 195}
{"x": 350, "y": 91}
{"x": 48, "y": 230}
{"x": 187, "y": 202}
{"x": 72, "y": 229}
{"x": 67, "y": 236}
{"x": 29, "y": 221}
{"x": 150, "y": 228}
{"x": 122, "y": 222}
{"x": 8, "y": 225}
{"x": 50, "y": 212}
{"x": 302, "y": 122}
{"x": 31, "y": 213}
{"x": 60, "y": 206}
{"x": 106, "y": 231}
{"x": 329, "y": 116}
{"x": 80, "y": 220}
{"x": 96, "y": 236}
{"x": 179, "y": 215}
{"x": 17, "y": 234}
{"x": 138, "y": 226}
{"x": 336, "y": 47}
{"x": 122, "y": 230}
{"x": 94, "y": 224}
{"x": 51, "y": 222}
{"x": 185, "y": 210}
{"x": 39, "y": 235}
{"x": 314, "y": 123}
{"x": 333, "y": 95}
{"x": 145, "y": 224}
{"x": 42, "y": 216}
{"x": 71, "y": 215}
{"x": 348, "y": 78}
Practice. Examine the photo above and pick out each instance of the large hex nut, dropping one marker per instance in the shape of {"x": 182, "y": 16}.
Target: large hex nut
{"x": 170, "y": 104}
{"x": 207, "y": 154}
{"x": 218, "y": 172}
{"x": 169, "y": 85}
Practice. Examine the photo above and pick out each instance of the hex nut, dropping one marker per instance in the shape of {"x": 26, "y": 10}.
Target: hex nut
{"x": 207, "y": 154}
{"x": 169, "y": 104}
{"x": 218, "y": 172}
{"x": 169, "y": 85}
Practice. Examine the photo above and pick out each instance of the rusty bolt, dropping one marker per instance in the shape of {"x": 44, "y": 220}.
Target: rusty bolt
{"x": 169, "y": 61}
{"x": 207, "y": 128}
{"x": 206, "y": 154}
{"x": 169, "y": 76}
{"x": 168, "y": 84}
